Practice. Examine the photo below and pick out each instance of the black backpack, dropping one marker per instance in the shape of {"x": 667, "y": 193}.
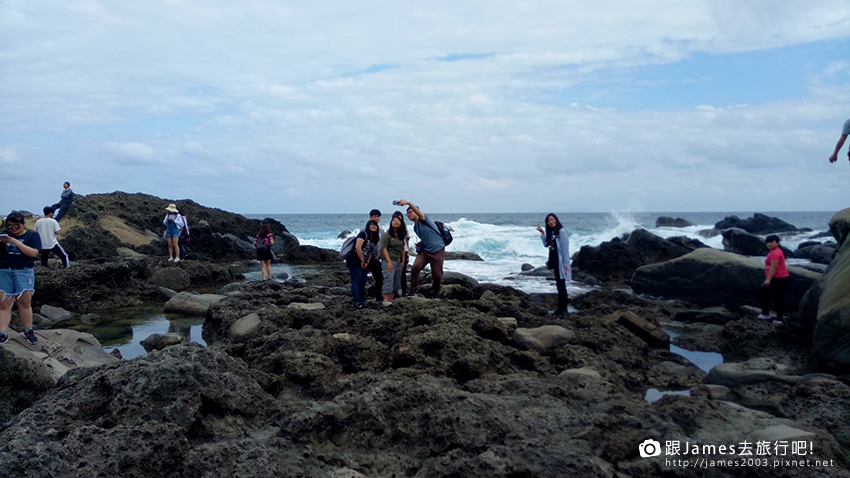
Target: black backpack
{"x": 444, "y": 232}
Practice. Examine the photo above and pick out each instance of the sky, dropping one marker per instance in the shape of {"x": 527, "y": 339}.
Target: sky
{"x": 265, "y": 106}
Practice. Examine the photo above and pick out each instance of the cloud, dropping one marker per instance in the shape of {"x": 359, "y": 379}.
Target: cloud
{"x": 132, "y": 153}
{"x": 325, "y": 106}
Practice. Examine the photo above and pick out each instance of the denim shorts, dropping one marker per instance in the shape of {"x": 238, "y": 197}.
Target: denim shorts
{"x": 14, "y": 282}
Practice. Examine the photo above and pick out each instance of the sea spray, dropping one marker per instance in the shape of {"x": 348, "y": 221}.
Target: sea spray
{"x": 506, "y": 241}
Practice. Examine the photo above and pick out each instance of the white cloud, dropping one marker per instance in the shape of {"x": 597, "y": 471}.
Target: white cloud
{"x": 325, "y": 105}
{"x": 131, "y": 152}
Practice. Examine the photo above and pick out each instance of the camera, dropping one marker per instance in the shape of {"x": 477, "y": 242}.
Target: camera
{"x": 649, "y": 448}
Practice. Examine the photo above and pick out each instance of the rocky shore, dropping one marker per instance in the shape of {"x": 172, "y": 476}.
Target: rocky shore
{"x": 480, "y": 383}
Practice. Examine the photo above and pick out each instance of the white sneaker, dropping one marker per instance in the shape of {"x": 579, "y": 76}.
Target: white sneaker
{"x": 386, "y": 303}
{"x": 170, "y": 259}
{"x": 176, "y": 259}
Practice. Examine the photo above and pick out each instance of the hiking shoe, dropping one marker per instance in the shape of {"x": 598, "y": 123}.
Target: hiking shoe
{"x": 764, "y": 317}
{"x": 411, "y": 294}
{"x": 30, "y": 335}
{"x": 4, "y": 338}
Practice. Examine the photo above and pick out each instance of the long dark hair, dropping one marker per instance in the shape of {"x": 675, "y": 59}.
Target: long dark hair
{"x": 550, "y": 232}
{"x": 265, "y": 230}
{"x": 373, "y": 237}
{"x": 401, "y": 232}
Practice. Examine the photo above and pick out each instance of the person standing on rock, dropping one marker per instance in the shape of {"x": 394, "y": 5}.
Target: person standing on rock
{"x": 557, "y": 239}
{"x": 365, "y": 250}
{"x": 392, "y": 251}
{"x": 173, "y": 223}
{"x": 65, "y": 201}
{"x": 47, "y": 227}
{"x": 375, "y": 265}
{"x": 775, "y": 282}
{"x": 844, "y": 132}
{"x": 17, "y": 276}
{"x": 264, "y": 242}
{"x": 184, "y": 239}
{"x": 405, "y": 255}
{"x": 431, "y": 249}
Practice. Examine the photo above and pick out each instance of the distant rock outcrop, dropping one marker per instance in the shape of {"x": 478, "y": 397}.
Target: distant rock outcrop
{"x": 758, "y": 224}
{"x": 617, "y": 259}
{"x": 667, "y": 221}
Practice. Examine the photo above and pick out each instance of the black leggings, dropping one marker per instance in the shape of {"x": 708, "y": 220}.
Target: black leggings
{"x": 777, "y": 290}
{"x": 561, "y": 284}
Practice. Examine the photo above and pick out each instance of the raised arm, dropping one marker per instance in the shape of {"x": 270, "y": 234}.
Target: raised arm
{"x": 419, "y": 214}
{"x": 838, "y": 146}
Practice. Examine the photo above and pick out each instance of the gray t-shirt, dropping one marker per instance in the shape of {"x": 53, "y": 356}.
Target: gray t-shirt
{"x": 430, "y": 238}
{"x": 846, "y": 129}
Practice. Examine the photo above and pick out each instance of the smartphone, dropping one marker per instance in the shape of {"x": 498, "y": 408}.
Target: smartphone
{"x": 396, "y": 203}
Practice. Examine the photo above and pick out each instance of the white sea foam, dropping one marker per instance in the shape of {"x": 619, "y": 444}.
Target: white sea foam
{"x": 508, "y": 241}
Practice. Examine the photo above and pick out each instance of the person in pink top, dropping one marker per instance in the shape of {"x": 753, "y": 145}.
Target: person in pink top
{"x": 775, "y": 282}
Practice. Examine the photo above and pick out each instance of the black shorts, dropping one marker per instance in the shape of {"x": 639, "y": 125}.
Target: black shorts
{"x": 264, "y": 255}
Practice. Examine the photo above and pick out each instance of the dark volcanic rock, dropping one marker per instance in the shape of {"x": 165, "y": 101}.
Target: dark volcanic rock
{"x": 147, "y": 417}
{"x": 89, "y": 242}
{"x": 710, "y": 277}
{"x": 666, "y": 221}
{"x": 758, "y": 224}
{"x": 617, "y": 259}
{"x": 90, "y": 286}
{"x": 209, "y": 227}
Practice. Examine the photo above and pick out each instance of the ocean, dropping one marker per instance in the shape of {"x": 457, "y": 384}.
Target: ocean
{"x": 506, "y": 241}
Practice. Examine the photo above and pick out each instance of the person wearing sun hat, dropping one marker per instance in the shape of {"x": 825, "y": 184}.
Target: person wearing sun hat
{"x": 173, "y": 223}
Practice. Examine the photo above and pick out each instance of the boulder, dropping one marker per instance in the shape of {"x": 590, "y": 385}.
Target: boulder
{"x": 839, "y": 226}
{"x": 667, "y": 221}
{"x": 544, "y": 338}
{"x": 191, "y": 304}
{"x": 831, "y": 340}
{"x": 644, "y": 329}
{"x": 823, "y": 253}
{"x": 709, "y": 277}
{"x": 526, "y": 267}
{"x": 752, "y": 371}
{"x": 686, "y": 242}
{"x": 739, "y": 241}
{"x": 451, "y": 277}
{"x": 173, "y": 278}
{"x": 55, "y": 314}
{"x": 758, "y": 224}
{"x": 58, "y": 351}
{"x": 161, "y": 341}
{"x": 464, "y": 256}
{"x": 246, "y": 325}
{"x": 617, "y": 259}
{"x": 708, "y": 315}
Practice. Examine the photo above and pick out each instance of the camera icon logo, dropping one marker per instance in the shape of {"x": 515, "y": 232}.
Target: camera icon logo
{"x": 649, "y": 448}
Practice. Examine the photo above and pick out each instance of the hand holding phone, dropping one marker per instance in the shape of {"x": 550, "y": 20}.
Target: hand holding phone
{"x": 396, "y": 203}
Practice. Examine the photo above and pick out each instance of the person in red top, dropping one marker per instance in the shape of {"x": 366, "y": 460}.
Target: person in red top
{"x": 776, "y": 280}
